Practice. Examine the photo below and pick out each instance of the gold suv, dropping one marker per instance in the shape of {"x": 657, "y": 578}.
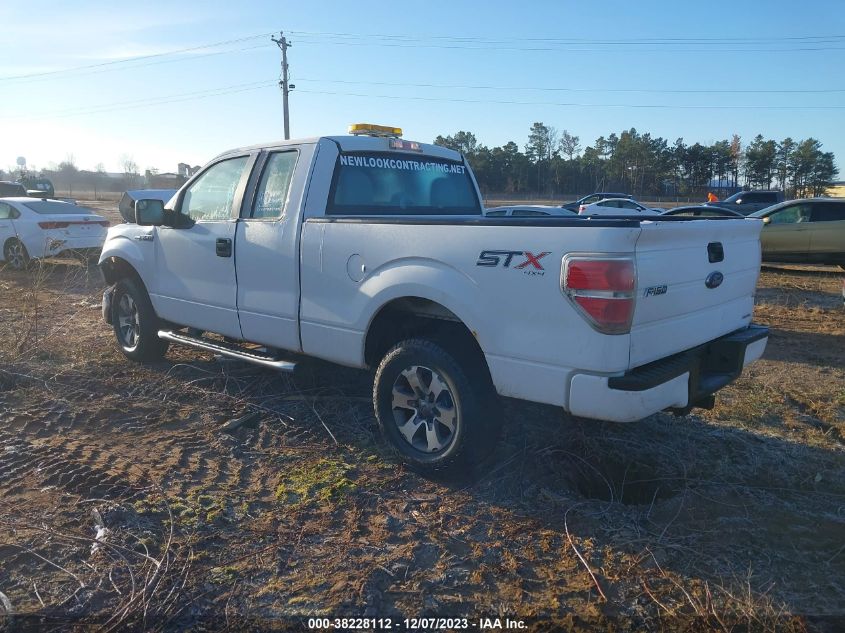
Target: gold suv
{"x": 808, "y": 231}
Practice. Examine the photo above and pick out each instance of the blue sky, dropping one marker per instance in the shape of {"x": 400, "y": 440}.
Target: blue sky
{"x": 432, "y": 67}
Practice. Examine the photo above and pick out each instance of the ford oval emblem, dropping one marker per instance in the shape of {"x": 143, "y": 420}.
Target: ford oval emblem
{"x": 714, "y": 279}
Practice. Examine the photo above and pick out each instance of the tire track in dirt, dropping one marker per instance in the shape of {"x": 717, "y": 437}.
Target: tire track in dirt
{"x": 66, "y": 465}
{"x": 86, "y": 445}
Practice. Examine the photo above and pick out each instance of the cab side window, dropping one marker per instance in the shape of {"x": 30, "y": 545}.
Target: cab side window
{"x": 497, "y": 214}
{"x": 273, "y": 189}
{"x": 212, "y": 196}
{"x": 791, "y": 215}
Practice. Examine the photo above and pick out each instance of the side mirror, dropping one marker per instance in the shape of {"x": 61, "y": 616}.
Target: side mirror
{"x": 767, "y": 220}
{"x": 149, "y": 212}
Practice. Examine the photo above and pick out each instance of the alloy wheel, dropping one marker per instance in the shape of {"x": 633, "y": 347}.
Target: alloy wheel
{"x": 129, "y": 324}
{"x": 15, "y": 255}
{"x": 424, "y": 409}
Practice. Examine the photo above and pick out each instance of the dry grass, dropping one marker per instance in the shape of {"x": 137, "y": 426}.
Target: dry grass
{"x": 122, "y": 502}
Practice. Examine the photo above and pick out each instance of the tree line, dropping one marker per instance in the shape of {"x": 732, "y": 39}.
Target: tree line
{"x": 67, "y": 177}
{"x": 554, "y": 163}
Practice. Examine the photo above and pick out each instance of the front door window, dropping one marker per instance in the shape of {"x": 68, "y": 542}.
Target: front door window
{"x": 211, "y": 197}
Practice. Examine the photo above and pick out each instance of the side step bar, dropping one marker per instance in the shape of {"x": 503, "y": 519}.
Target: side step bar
{"x": 228, "y": 349}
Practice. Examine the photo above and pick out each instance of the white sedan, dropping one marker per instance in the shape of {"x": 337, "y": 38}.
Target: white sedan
{"x": 616, "y": 206}
{"x": 32, "y": 228}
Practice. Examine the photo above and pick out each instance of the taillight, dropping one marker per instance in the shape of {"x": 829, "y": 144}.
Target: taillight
{"x": 602, "y": 288}
{"x": 54, "y": 225}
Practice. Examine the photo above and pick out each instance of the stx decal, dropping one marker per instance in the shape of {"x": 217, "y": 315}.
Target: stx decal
{"x": 531, "y": 265}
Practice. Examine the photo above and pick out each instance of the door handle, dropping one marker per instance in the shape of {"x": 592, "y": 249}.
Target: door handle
{"x": 223, "y": 247}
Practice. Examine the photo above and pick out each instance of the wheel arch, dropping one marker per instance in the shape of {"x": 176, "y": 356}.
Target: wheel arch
{"x": 115, "y": 268}
{"x": 420, "y": 317}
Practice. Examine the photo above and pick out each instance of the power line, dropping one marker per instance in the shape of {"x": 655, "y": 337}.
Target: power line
{"x": 152, "y": 101}
{"x": 464, "y": 38}
{"x": 796, "y": 43}
{"x": 580, "y": 49}
{"x": 584, "y": 105}
{"x": 135, "y": 58}
{"x": 580, "y": 89}
{"x": 238, "y": 88}
{"x": 153, "y": 63}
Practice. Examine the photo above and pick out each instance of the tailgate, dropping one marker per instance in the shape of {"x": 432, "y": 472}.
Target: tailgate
{"x": 695, "y": 282}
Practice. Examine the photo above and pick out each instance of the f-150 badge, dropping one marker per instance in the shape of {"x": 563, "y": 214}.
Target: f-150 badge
{"x": 653, "y": 291}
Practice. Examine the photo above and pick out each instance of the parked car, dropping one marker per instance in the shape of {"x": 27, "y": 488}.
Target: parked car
{"x": 38, "y": 187}
{"x": 372, "y": 251}
{"x": 616, "y": 206}
{"x": 807, "y": 231}
{"x": 746, "y": 202}
{"x": 33, "y": 228}
{"x": 592, "y": 198}
{"x": 703, "y": 211}
{"x": 527, "y": 210}
{"x": 11, "y": 189}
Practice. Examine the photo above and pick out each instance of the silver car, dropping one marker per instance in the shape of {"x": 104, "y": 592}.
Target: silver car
{"x": 527, "y": 210}
{"x": 806, "y": 231}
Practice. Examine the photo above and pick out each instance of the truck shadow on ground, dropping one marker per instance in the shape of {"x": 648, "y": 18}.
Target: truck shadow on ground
{"x": 812, "y": 348}
{"x": 799, "y": 269}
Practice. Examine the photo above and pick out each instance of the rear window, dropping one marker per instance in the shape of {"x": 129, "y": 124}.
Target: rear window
{"x": 828, "y": 211}
{"x": 51, "y": 208}
{"x": 757, "y": 197}
{"x": 372, "y": 183}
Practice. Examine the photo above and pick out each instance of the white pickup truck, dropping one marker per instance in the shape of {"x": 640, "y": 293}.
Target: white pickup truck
{"x": 372, "y": 251}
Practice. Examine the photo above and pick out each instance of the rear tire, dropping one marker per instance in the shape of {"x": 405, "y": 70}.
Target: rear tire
{"x": 16, "y": 255}
{"x": 135, "y": 323}
{"x": 437, "y": 409}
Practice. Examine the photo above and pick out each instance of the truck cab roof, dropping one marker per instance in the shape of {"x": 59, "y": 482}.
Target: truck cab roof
{"x": 351, "y": 143}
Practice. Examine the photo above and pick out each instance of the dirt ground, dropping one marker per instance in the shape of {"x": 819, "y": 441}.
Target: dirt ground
{"x": 123, "y": 503}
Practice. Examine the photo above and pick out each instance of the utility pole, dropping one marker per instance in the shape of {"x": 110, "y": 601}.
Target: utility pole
{"x": 283, "y": 44}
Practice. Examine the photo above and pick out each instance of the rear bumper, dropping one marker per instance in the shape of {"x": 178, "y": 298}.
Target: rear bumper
{"x": 678, "y": 382}
{"x": 55, "y": 246}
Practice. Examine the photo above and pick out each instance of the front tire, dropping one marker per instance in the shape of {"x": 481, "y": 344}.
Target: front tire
{"x": 436, "y": 408}
{"x": 16, "y": 255}
{"x": 135, "y": 323}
